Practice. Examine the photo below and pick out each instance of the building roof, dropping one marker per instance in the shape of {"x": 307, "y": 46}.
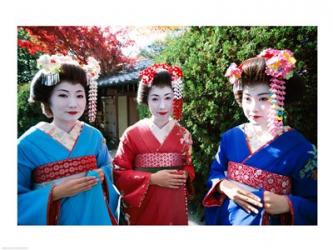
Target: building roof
{"x": 127, "y": 76}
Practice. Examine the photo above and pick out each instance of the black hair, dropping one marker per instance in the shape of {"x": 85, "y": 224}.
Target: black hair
{"x": 161, "y": 79}
{"x": 253, "y": 72}
{"x": 42, "y": 93}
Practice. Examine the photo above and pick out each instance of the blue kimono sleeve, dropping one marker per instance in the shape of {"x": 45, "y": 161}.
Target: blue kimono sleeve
{"x": 303, "y": 200}
{"x": 33, "y": 205}
{"x": 216, "y": 175}
{"x": 113, "y": 195}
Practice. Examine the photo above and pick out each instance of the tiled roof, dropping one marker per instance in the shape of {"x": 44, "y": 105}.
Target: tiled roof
{"x": 129, "y": 76}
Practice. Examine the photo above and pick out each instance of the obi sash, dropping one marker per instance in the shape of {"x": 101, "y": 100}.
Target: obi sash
{"x": 59, "y": 171}
{"x": 251, "y": 178}
{"x": 258, "y": 178}
{"x": 153, "y": 162}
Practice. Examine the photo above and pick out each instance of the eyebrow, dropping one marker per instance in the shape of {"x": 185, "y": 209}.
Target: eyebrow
{"x": 164, "y": 94}
{"x": 67, "y": 91}
{"x": 265, "y": 93}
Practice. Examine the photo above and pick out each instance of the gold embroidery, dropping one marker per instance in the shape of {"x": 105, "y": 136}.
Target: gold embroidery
{"x": 66, "y": 139}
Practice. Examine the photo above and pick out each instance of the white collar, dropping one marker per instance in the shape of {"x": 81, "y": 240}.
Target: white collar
{"x": 161, "y": 133}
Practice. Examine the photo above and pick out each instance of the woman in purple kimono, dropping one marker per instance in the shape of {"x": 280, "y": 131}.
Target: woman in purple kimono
{"x": 64, "y": 168}
{"x": 264, "y": 172}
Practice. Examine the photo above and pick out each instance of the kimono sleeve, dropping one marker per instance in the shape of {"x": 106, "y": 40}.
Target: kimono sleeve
{"x": 303, "y": 200}
{"x": 110, "y": 190}
{"x": 133, "y": 185}
{"x": 216, "y": 175}
{"x": 188, "y": 166}
{"x": 35, "y": 207}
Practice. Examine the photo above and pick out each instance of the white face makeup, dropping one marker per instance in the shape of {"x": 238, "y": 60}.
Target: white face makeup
{"x": 67, "y": 103}
{"x": 160, "y": 103}
{"x": 256, "y": 104}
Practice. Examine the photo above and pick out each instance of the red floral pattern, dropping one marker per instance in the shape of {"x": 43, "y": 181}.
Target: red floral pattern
{"x": 258, "y": 178}
{"x": 59, "y": 169}
{"x": 186, "y": 142}
{"x": 154, "y": 160}
{"x": 147, "y": 75}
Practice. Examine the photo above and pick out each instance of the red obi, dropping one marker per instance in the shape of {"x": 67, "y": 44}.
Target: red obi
{"x": 157, "y": 160}
{"x": 258, "y": 178}
{"x": 60, "y": 169}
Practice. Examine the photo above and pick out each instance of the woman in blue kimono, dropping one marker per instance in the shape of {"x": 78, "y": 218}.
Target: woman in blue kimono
{"x": 264, "y": 172}
{"x": 64, "y": 168}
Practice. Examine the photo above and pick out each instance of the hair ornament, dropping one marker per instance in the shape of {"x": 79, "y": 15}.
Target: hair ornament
{"x": 280, "y": 65}
{"x": 50, "y": 66}
{"x": 147, "y": 76}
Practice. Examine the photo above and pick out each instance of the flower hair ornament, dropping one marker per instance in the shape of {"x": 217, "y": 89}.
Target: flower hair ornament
{"x": 147, "y": 76}
{"x": 280, "y": 65}
{"x": 50, "y": 66}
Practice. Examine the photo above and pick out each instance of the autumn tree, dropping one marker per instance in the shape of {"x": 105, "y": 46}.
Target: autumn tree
{"x": 79, "y": 41}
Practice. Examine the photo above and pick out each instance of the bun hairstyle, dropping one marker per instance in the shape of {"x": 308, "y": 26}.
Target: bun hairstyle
{"x": 163, "y": 75}
{"x": 161, "y": 79}
{"x": 275, "y": 68}
{"x": 253, "y": 72}
{"x": 57, "y": 68}
{"x": 41, "y": 92}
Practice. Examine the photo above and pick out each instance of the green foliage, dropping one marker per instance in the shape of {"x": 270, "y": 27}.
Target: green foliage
{"x": 204, "y": 54}
{"x": 28, "y": 115}
{"x": 143, "y": 111}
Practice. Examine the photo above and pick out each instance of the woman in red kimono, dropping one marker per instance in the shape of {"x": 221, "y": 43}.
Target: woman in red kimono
{"x": 153, "y": 166}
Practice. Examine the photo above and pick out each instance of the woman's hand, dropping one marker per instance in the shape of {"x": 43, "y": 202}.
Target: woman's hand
{"x": 245, "y": 199}
{"x": 275, "y": 203}
{"x": 169, "y": 178}
{"x": 73, "y": 187}
{"x": 101, "y": 174}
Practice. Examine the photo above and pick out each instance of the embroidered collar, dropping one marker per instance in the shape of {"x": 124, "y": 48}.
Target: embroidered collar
{"x": 68, "y": 140}
{"x": 256, "y": 140}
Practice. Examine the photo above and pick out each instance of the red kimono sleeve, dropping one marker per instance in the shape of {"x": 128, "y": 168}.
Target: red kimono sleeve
{"x": 188, "y": 167}
{"x": 214, "y": 197}
{"x": 133, "y": 185}
{"x": 53, "y": 209}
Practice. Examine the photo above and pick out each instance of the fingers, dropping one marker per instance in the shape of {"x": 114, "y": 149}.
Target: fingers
{"x": 172, "y": 186}
{"x": 101, "y": 174}
{"x": 246, "y": 206}
{"x": 249, "y": 200}
{"x": 248, "y": 194}
{"x": 86, "y": 184}
{"x": 168, "y": 178}
{"x": 176, "y": 174}
{"x": 171, "y": 182}
{"x": 73, "y": 187}
{"x": 83, "y": 179}
{"x": 177, "y": 183}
